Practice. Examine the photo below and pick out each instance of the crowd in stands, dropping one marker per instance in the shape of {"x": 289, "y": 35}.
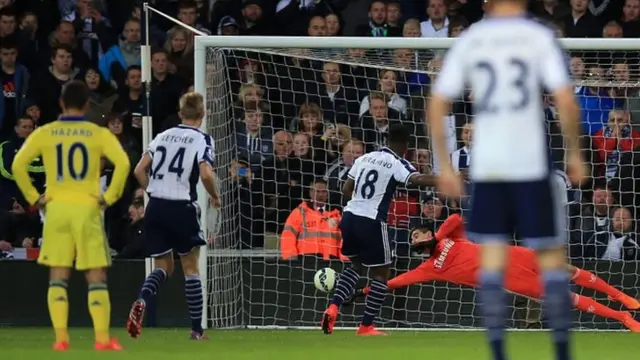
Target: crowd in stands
{"x": 299, "y": 118}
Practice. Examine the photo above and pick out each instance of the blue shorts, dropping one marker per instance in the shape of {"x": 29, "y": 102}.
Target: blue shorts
{"x": 365, "y": 240}
{"x": 172, "y": 225}
{"x": 531, "y": 209}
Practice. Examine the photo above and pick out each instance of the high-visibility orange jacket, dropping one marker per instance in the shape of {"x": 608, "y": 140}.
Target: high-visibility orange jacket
{"x": 309, "y": 231}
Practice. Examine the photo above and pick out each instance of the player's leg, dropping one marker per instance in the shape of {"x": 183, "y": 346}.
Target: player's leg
{"x": 94, "y": 257}
{"x": 591, "y": 306}
{"x": 58, "y": 253}
{"x": 376, "y": 255}
{"x": 157, "y": 246}
{"x": 490, "y": 226}
{"x": 589, "y": 280}
{"x": 541, "y": 223}
{"x": 193, "y": 291}
{"x": 189, "y": 239}
{"x": 349, "y": 277}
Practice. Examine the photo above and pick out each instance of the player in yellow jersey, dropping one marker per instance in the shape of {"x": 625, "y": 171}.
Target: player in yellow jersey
{"x": 71, "y": 149}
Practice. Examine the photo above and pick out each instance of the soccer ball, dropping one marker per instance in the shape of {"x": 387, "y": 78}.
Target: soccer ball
{"x": 325, "y": 279}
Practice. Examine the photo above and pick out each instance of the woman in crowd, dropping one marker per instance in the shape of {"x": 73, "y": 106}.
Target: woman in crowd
{"x": 103, "y": 96}
{"x": 387, "y": 84}
{"x": 179, "y": 46}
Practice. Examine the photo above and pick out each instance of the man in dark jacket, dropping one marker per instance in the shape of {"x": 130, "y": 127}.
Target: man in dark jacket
{"x": 8, "y": 149}
{"x": 132, "y": 244}
{"x": 374, "y": 123}
{"x": 15, "y": 81}
{"x": 115, "y": 62}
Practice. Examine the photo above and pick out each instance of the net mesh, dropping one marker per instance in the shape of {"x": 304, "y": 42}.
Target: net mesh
{"x": 249, "y": 283}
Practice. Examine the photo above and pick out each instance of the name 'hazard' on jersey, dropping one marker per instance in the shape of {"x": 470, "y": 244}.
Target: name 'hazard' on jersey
{"x": 507, "y": 63}
{"x": 176, "y": 157}
{"x": 376, "y": 176}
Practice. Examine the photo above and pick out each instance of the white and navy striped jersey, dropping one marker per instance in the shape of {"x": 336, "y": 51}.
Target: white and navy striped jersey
{"x": 376, "y": 176}
{"x": 177, "y": 154}
{"x": 507, "y": 63}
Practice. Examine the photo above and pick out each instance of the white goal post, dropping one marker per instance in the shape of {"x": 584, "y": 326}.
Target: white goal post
{"x": 253, "y": 287}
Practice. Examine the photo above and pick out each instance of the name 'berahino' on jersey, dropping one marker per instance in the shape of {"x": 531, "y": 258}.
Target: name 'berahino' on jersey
{"x": 177, "y": 154}
{"x": 376, "y": 176}
{"x": 507, "y": 63}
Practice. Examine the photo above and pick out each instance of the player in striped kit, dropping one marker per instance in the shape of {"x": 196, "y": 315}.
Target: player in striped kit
{"x": 508, "y": 61}
{"x": 371, "y": 185}
{"x": 169, "y": 172}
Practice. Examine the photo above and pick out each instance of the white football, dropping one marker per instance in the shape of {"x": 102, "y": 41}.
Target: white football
{"x": 325, "y": 279}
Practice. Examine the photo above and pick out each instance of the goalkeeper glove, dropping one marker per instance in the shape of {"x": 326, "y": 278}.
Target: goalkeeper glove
{"x": 424, "y": 246}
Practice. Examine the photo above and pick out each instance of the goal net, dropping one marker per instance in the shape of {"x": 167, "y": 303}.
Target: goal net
{"x": 303, "y": 104}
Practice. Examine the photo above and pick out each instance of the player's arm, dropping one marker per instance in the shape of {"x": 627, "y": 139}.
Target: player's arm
{"x": 406, "y": 174}
{"x": 113, "y": 151}
{"x": 20, "y": 167}
{"x": 207, "y": 175}
{"x": 350, "y": 183}
{"x": 449, "y": 84}
{"x": 422, "y": 180}
{"x": 141, "y": 171}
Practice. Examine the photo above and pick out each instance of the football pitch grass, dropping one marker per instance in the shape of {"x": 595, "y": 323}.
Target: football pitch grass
{"x": 172, "y": 344}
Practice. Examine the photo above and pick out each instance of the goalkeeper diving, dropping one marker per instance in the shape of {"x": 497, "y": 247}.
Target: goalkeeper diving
{"x": 454, "y": 259}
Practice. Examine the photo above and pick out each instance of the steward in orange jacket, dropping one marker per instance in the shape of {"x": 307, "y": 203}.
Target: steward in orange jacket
{"x": 308, "y": 231}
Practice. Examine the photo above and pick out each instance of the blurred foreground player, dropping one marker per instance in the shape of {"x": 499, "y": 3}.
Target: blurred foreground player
{"x": 169, "y": 172}
{"x": 454, "y": 259}
{"x": 371, "y": 184}
{"x": 71, "y": 149}
{"x": 509, "y": 61}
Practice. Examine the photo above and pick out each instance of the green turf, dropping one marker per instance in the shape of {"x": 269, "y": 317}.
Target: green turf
{"x": 157, "y": 344}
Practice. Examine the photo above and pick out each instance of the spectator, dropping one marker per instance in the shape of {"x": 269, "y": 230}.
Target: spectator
{"x": 166, "y": 90}
{"x": 339, "y": 104}
{"x": 103, "y": 96}
{"x": 577, "y": 70}
{"x": 376, "y": 121}
{"x": 65, "y": 35}
{"x": 309, "y": 167}
{"x": 626, "y": 92}
{"x": 131, "y": 102}
{"x": 631, "y": 18}
{"x": 19, "y": 227}
{"x": 461, "y": 158}
{"x": 438, "y": 24}
{"x": 45, "y": 88}
{"x": 115, "y": 62}
{"x": 228, "y": 26}
{"x": 355, "y": 76}
{"x": 116, "y": 125}
{"x": 550, "y": 10}
{"x": 387, "y": 85}
{"x": 456, "y": 26}
{"x": 250, "y": 220}
{"x": 179, "y": 47}
{"x": 618, "y": 243}
{"x": 253, "y": 141}
{"x": 8, "y": 149}
{"x": 337, "y": 172}
{"x": 312, "y": 228}
{"x": 156, "y": 35}
{"x": 612, "y": 30}
{"x": 433, "y": 211}
{"x": 252, "y": 22}
{"x": 15, "y": 81}
{"x": 334, "y": 24}
{"x": 7, "y": 22}
{"x": 310, "y": 121}
{"x": 394, "y": 16}
{"x": 132, "y": 245}
{"x": 590, "y": 218}
{"x": 30, "y": 45}
{"x": 32, "y": 110}
{"x": 411, "y": 28}
{"x": 335, "y": 137}
{"x": 188, "y": 14}
{"x": 612, "y": 140}
{"x": 276, "y": 183}
{"x": 317, "y": 26}
{"x": 297, "y": 77}
{"x": 377, "y": 26}
{"x": 93, "y": 30}
{"x": 595, "y": 101}
{"x": 247, "y": 93}
{"x": 580, "y": 22}
{"x": 292, "y": 16}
